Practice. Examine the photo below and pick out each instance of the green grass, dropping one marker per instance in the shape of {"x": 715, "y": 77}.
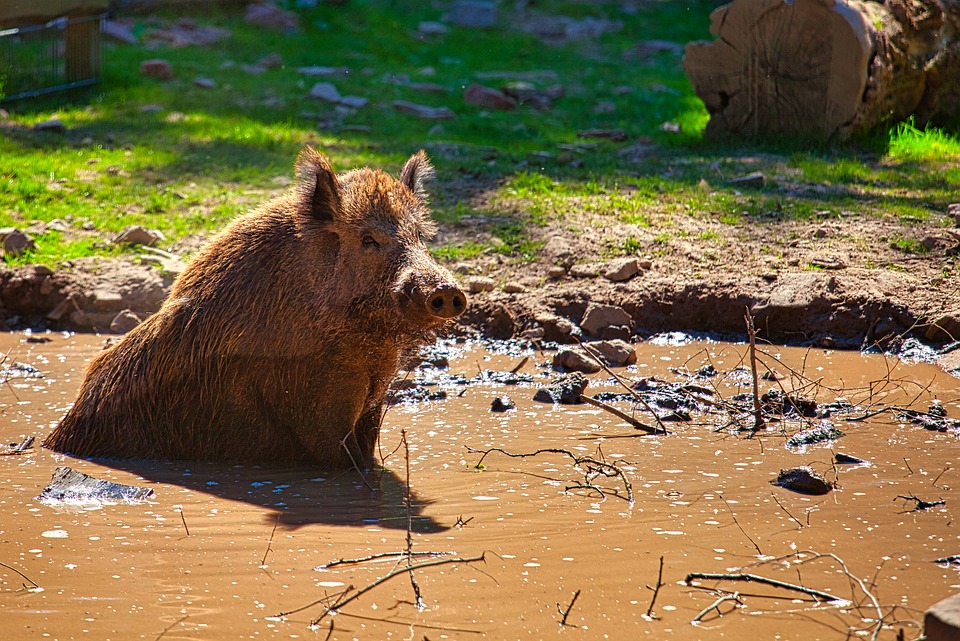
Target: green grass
{"x": 184, "y": 159}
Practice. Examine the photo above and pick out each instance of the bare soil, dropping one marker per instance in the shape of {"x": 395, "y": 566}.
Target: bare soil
{"x": 831, "y": 281}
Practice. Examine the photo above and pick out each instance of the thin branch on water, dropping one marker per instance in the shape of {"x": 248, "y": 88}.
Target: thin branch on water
{"x": 183, "y": 520}
{"x": 33, "y": 584}
{"x": 716, "y": 606}
{"x": 263, "y": 561}
{"x": 758, "y": 423}
{"x": 381, "y": 555}
{"x": 621, "y": 415}
{"x": 656, "y": 589}
{"x": 566, "y": 612}
{"x": 740, "y": 527}
{"x": 754, "y": 578}
{"x": 594, "y": 467}
{"x": 785, "y": 510}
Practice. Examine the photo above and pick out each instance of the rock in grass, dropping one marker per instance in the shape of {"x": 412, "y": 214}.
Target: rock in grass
{"x": 803, "y": 480}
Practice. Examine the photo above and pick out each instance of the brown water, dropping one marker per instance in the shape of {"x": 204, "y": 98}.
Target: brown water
{"x": 220, "y": 551}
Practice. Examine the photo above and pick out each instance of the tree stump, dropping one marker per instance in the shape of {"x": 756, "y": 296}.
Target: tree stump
{"x": 826, "y": 69}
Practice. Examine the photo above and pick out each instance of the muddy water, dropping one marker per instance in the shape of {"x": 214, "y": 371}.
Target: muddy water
{"x": 226, "y": 552}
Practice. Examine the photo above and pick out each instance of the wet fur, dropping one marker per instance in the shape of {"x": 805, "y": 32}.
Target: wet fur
{"x": 277, "y": 343}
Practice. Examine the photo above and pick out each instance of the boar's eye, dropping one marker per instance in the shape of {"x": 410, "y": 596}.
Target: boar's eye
{"x": 369, "y": 241}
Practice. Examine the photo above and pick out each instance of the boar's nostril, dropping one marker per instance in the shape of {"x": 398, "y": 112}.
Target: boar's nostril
{"x": 447, "y": 302}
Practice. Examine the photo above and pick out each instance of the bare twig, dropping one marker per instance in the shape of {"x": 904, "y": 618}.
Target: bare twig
{"x": 817, "y": 594}
{"x": 381, "y": 555}
{"x": 393, "y": 573}
{"x": 520, "y": 365}
{"x": 406, "y": 499}
{"x": 716, "y": 605}
{"x": 656, "y": 589}
{"x": 353, "y": 461}
{"x": 734, "y": 516}
{"x": 758, "y": 423}
{"x": 621, "y": 415}
{"x": 593, "y": 467}
{"x": 183, "y": 520}
{"x": 566, "y": 612}
{"x": 33, "y": 584}
{"x": 920, "y": 503}
{"x": 172, "y": 626}
{"x": 785, "y": 510}
{"x": 263, "y": 561}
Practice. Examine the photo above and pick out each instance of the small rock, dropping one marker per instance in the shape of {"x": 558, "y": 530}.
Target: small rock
{"x": 597, "y": 317}
{"x": 432, "y": 29}
{"x": 514, "y": 288}
{"x": 502, "y": 404}
{"x": 118, "y": 32}
{"x": 556, "y": 272}
{"x": 137, "y": 235}
{"x": 845, "y": 459}
{"x": 615, "y": 352}
{"x": 124, "y": 322}
{"x": 754, "y": 180}
{"x": 803, "y": 480}
{"x": 477, "y": 284}
{"x": 488, "y": 98}
{"x": 616, "y": 135}
{"x": 354, "y": 102}
{"x": 204, "y": 83}
{"x": 645, "y": 264}
{"x": 557, "y": 328}
{"x": 533, "y": 334}
{"x": 575, "y": 359}
{"x": 930, "y": 243}
{"x": 586, "y": 270}
{"x": 823, "y": 432}
{"x": 615, "y": 332}
{"x": 565, "y": 390}
{"x": 156, "y": 68}
{"x": 16, "y": 242}
{"x": 53, "y": 125}
{"x": 323, "y": 71}
{"x": 953, "y": 210}
{"x": 423, "y": 111}
{"x": 271, "y": 61}
{"x": 944, "y": 328}
{"x": 475, "y": 14}
{"x": 267, "y": 15}
{"x": 106, "y": 300}
{"x": 942, "y": 621}
{"x": 325, "y": 91}
{"x": 558, "y": 250}
{"x": 621, "y": 270}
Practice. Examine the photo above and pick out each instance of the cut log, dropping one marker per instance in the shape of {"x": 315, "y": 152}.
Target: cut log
{"x": 824, "y": 69}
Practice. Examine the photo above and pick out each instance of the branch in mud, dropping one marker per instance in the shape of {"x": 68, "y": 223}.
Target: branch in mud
{"x": 920, "y": 503}
{"x": 758, "y": 423}
{"x": 622, "y": 415}
{"x": 566, "y": 613}
{"x": 716, "y": 606}
{"x": 34, "y": 586}
{"x": 754, "y": 578}
{"x": 593, "y": 467}
{"x": 656, "y": 590}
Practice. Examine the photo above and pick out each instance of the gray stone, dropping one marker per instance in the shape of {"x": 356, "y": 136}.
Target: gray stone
{"x": 354, "y": 102}
{"x": 423, "y": 111}
{"x": 16, "y": 242}
{"x": 586, "y": 270}
{"x": 556, "y": 272}
{"x": 475, "y": 14}
{"x": 514, "y": 288}
{"x": 204, "y": 83}
{"x": 622, "y": 269}
{"x": 558, "y": 251}
{"x": 597, "y": 317}
{"x": 156, "y": 68}
{"x": 325, "y": 91}
{"x": 477, "y": 284}
{"x": 106, "y": 300}
{"x": 753, "y": 180}
{"x": 323, "y": 71}
{"x": 124, "y": 322}
{"x": 267, "y": 15}
{"x": 54, "y": 125}
{"x": 942, "y": 620}
{"x": 574, "y": 359}
{"x": 137, "y": 235}
{"x": 118, "y": 32}
{"x": 803, "y": 480}
{"x": 615, "y": 352}
{"x": 488, "y": 98}
{"x": 432, "y": 29}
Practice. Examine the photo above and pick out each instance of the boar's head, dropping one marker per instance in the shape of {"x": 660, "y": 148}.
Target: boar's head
{"x": 383, "y": 272}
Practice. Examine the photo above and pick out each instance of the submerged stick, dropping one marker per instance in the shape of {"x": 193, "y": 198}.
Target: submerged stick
{"x": 758, "y": 423}
{"x": 716, "y": 605}
{"x": 656, "y": 590}
{"x": 566, "y": 613}
{"x": 754, "y": 578}
{"x": 621, "y": 415}
{"x": 34, "y": 585}
{"x": 263, "y": 561}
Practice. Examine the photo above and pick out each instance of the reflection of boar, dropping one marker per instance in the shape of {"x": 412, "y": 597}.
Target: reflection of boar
{"x": 278, "y": 341}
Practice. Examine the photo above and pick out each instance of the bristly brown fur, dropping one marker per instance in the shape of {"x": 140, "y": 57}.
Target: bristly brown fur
{"x": 278, "y": 341}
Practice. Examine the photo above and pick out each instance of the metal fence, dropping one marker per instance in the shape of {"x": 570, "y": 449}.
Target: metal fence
{"x": 60, "y": 54}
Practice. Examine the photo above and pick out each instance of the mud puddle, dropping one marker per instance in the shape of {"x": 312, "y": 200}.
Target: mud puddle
{"x": 234, "y": 552}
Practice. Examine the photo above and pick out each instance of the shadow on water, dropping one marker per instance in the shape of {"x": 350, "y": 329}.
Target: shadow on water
{"x": 299, "y": 495}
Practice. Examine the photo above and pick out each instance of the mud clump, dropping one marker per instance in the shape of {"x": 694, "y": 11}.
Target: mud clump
{"x": 565, "y": 390}
{"x": 278, "y": 341}
{"x": 803, "y": 480}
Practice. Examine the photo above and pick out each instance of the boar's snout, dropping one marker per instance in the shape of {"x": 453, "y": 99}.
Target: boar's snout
{"x": 446, "y": 301}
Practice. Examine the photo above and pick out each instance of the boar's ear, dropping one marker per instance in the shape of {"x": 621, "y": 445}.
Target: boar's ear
{"x": 415, "y": 172}
{"x": 317, "y": 185}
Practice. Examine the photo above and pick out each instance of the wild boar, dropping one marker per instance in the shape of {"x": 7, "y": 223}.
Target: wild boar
{"x": 279, "y": 340}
